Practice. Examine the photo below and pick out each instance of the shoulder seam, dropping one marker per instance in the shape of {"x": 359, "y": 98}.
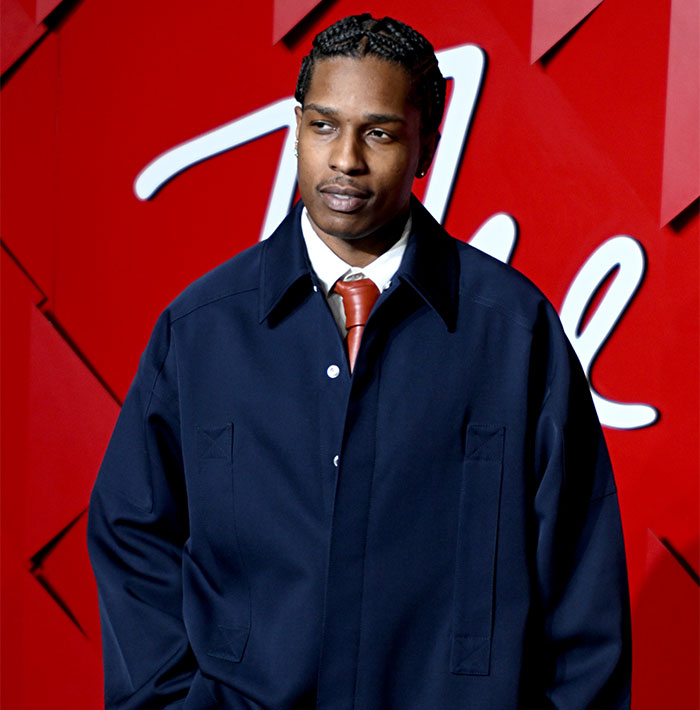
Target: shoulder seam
{"x": 521, "y": 322}
{"x": 152, "y": 393}
{"x": 212, "y": 299}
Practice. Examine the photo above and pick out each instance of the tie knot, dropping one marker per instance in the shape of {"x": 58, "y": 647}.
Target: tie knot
{"x": 358, "y": 299}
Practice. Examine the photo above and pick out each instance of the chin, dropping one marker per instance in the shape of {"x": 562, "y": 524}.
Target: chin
{"x": 341, "y": 228}
{"x": 346, "y": 236}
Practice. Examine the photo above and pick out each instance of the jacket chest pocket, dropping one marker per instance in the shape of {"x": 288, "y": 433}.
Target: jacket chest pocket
{"x": 477, "y": 537}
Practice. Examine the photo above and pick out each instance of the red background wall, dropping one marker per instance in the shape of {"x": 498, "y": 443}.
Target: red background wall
{"x": 586, "y": 127}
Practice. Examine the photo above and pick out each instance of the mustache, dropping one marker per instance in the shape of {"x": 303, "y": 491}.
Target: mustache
{"x": 344, "y": 185}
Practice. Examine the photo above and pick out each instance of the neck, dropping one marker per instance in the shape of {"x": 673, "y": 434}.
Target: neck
{"x": 364, "y": 250}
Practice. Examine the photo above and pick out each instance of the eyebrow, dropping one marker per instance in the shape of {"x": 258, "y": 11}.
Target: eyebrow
{"x": 370, "y": 117}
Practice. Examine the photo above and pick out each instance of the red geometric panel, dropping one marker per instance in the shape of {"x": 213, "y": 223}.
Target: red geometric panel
{"x": 552, "y": 19}
{"x": 288, "y": 14}
{"x": 681, "y": 168}
{"x": 71, "y": 418}
{"x": 613, "y": 71}
{"x": 56, "y": 422}
{"x": 29, "y": 122}
{"x": 19, "y": 32}
{"x": 666, "y": 620}
{"x": 39, "y": 9}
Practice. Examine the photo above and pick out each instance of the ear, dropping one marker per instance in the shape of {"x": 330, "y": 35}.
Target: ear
{"x": 429, "y": 145}
{"x": 298, "y": 111}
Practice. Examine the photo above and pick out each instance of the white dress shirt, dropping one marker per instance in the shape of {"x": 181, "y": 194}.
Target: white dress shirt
{"x": 329, "y": 267}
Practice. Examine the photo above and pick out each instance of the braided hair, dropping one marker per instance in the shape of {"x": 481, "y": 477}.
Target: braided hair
{"x": 388, "y": 39}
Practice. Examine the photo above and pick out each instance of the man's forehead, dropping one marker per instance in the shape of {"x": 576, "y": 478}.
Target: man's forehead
{"x": 369, "y": 84}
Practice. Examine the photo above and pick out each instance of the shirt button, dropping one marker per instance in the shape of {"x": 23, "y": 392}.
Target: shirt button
{"x": 333, "y": 371}
{"x": 335, "y": 461}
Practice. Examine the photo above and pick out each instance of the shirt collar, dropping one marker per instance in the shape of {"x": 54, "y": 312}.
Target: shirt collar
{"x": 430, "y": 266}
{"x": 329, "y": 267}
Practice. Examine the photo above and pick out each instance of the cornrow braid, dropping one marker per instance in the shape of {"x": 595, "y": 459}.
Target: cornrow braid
{"x": 389, "y": 39}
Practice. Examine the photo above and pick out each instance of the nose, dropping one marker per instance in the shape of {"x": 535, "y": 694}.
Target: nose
{"x": 347, "y": 155}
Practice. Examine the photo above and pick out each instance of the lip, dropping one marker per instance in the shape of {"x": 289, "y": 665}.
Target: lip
{"x": 343, "y": 198}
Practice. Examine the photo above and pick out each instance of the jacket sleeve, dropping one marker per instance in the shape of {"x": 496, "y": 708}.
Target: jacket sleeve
{"x": 137, "y": 527}
{"x": 580, "y": 550}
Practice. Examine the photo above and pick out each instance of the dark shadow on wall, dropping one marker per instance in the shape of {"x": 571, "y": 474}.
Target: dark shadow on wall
{"x": 300, "y": 32}
{"x": 52, "y": 22}
{"x": 685, "y": 217}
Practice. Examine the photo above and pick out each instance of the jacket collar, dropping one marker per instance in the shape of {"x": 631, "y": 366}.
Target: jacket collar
{"x": 284, "y": 265}
{"x": 430, "y": 266}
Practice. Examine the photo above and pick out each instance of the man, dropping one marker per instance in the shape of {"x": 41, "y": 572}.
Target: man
{"x": 420, "y": 515}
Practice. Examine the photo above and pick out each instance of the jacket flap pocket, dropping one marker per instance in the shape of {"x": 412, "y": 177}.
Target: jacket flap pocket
{"x": 215, "y": 443}
{"x": 477, "y": 536}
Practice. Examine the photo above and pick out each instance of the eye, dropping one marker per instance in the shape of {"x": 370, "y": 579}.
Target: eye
{"x": 321, "y": 126}
{"x": 380, "y": 134}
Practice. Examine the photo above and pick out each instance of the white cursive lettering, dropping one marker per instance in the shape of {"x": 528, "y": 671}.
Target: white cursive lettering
{"x": 627, "y": 254}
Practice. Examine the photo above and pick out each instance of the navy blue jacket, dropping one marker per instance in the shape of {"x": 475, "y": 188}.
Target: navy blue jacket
{"x": 439, "y": 530}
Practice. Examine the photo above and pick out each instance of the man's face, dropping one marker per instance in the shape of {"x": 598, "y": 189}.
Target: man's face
{"x": 360, "y": 146}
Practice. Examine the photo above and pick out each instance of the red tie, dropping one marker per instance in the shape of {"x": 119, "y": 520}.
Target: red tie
{"x": 358, "y": 299}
